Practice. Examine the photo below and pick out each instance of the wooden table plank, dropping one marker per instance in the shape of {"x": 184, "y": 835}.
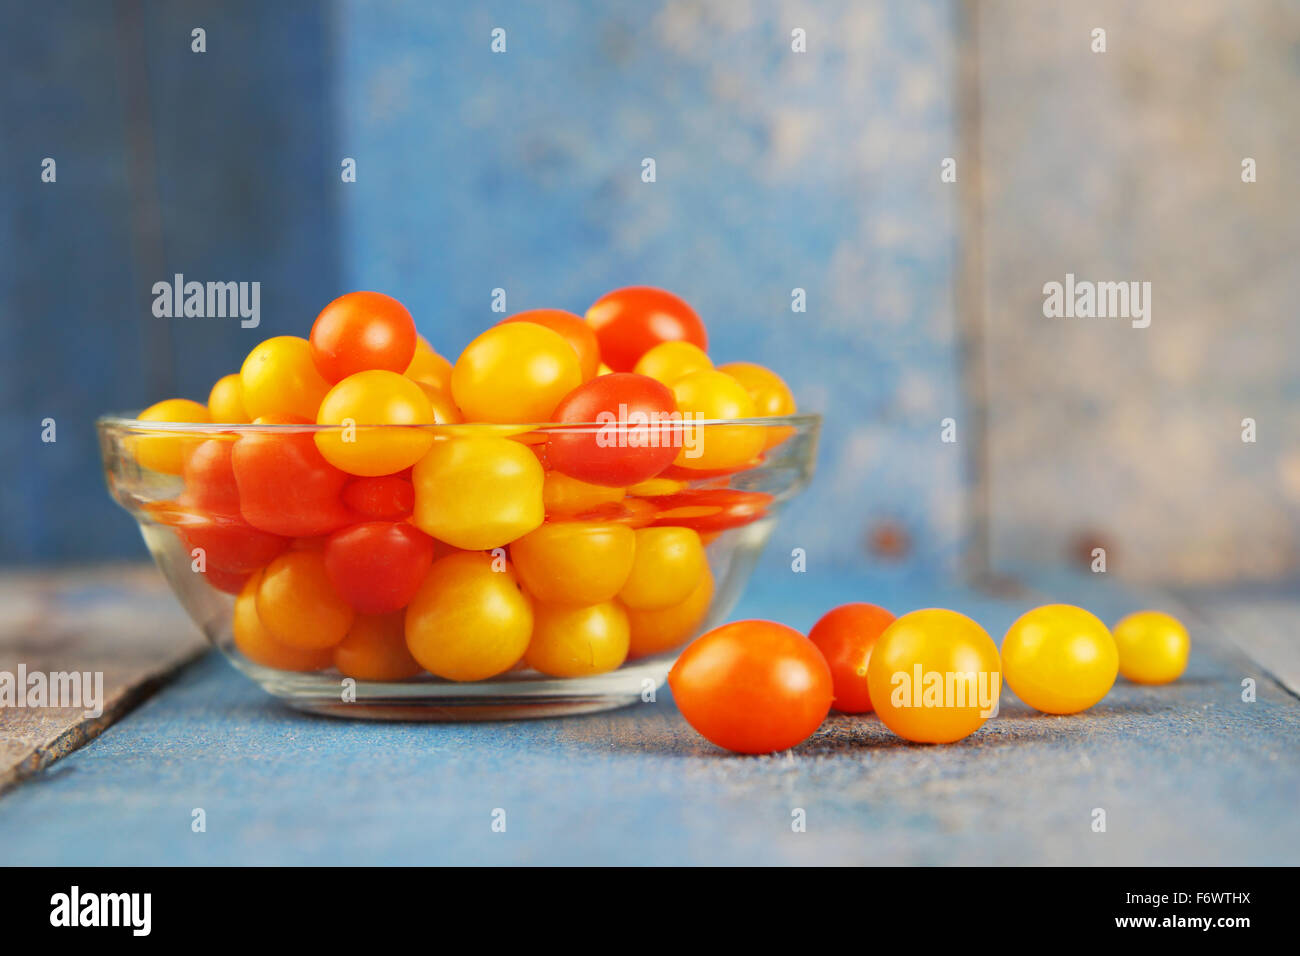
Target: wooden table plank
{"x": 119, "y": 622}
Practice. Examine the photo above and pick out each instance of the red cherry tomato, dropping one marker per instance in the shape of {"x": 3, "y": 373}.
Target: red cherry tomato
{"x": 231, "y": 582}
{"x": 385, "y": 499}
{"x": 378, "y": 566}
{"x": 638, "y": 439}
{"x": 361, "y": 331}
{"x": 710, "y": 509}
{"x": 230, "y": 544}
{"x": 286, "y": 486}
{"x": 845, "y": 636}
{"x": 579, "y": 334}
{"x": 210, "y": 479}
{"x": 752, "y": 686}
{"x": 630, "y": 322}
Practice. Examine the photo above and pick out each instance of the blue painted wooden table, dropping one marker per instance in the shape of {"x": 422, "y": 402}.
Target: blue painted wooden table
{"x": 1188, "y": 773}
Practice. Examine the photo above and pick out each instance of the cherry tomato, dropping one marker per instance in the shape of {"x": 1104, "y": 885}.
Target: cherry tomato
{"x": 257, "y": 643}
{"x": 633, "y": 512}
{"x": 166, "y": 451}
{"x": 362, "y": 331}
{"x": 226, "y": 401}
{"x": 574, "y": 562}
{"x": 469, "y": 621}
{"x": 656, "y": 488}
{"x": 1059, "y": 659}
{"x": 279, "y": 378}
{"x": 637, "y": 432}
{"x": 577, "y": 332}
{"x": 772, "y": 397}
{"x": 666, "y": 568}
{"x": 1153, "y": 647}
{"x": 229, "y": 582}
{"x": 577, "y": 641}
{"x": 478, "y": 493}
{"x": 444, "y": 409}
{"x": 386, "y": 498}
{"x": 652, "y": 632}
{"x": 934, "y": 676}
{"x": 752, "y": 686}
{"x": 564, "y": 496}
{"x": 229, "y": 544}
{"x": 514, "y": 373}
{"x": 210, "y": 478}
{"x": 298, "y": 605}
{"x": 378, "y": 566}
{"x": 286, "y": 486}
{"x": 710, "y": 510}
{"x": 374, "y": 398}
{"x": 375, "y": 649}
{"x": 845, "y": 636}
{"x": 669, "y": 361}
{"x": 428, "y": 367}
{"x": 716, "y": 395}
{"x": 629, "y": 322}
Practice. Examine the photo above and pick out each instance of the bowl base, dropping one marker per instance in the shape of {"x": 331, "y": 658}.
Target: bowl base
{"x": 481, "y": 709}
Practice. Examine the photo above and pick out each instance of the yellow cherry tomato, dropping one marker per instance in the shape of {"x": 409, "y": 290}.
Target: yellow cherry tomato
{"x": 429, "y": 367}
{"x": 716, "y": 395}
{"x": 669, "y": 361}
{"x": 1059, "y": 659}
{"x": 444, "y": 409}
{"x": 655, "y": 487}
{"x": 374, "y": 397}
{"x": 514, "y": 373}
{"x": 772, "y": 397}
{"x": 166, "y": 451}
{"x": 298, "y": 605}
{"x": 934, "y": 676}
{"x": 375, "y": 649}
{"x": 280, "y": 378}
{"x": 571, "y": 641}
{"x": 1153, "y": 647}
{"x": 478, "y": 493}
{"x": 652, "y": 632}
{"x": 668, "y": 565}
{"x": 564, "y": 496}
{"x": 258, "y": 645}
{"x": 226, "y": 401}
{"x": 469, "y": 620}
{"x": 574, "y": 562}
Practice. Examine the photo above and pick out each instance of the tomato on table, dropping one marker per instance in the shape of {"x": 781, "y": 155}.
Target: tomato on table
{"x": 577, "y": 332}
{"x": 846, "y": 635}
{"x": 629, "y": 322}
{"x": 752, "y": 686}
{"x": 1059, "y": 659}
{"x": 1153, "y": 647}
{"x": 635, "y": 433}
{"x": 377, "y": 566}
{"x": 934, "y": 676}
{"x": 362, "y": 331}
{"x": 514, "y": 373}
{"x": 378, "y": 398}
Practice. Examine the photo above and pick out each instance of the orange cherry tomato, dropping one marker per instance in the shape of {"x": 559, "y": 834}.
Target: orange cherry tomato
{"x": 772, "y": 397}
{"x": 752, "y": 686}
{"x": 361, "y": 331}
{"x": 286, "y": 486}
{"x": 666, "y": 568}
{"x": 375, "y": 649}
{"x": 298, "y": 605}
{"x": 934, "y": 676}
{"x": 575, "y": 562}
{"x": 578, "y": 333}
{"x": 577, "y": 641}
{"x": 256, "y": 642}
{"x": 380, "y": 398}
{"x": 514, "y": 374}
{"x": 845, "y": 636}
{"x": 629, "y": 322}
{"x": 428, "y": 367}
{"x": 280, "y": 379}
{"x": 662, "y": 629}
{"x": 226, "y": 401}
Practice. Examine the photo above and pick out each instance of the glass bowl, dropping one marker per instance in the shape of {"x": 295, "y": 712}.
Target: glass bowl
{"x": 148, "y": 466}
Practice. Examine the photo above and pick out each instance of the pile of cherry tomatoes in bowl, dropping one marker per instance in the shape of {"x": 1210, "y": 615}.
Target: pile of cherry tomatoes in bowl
{"x": 547, "y": 502}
